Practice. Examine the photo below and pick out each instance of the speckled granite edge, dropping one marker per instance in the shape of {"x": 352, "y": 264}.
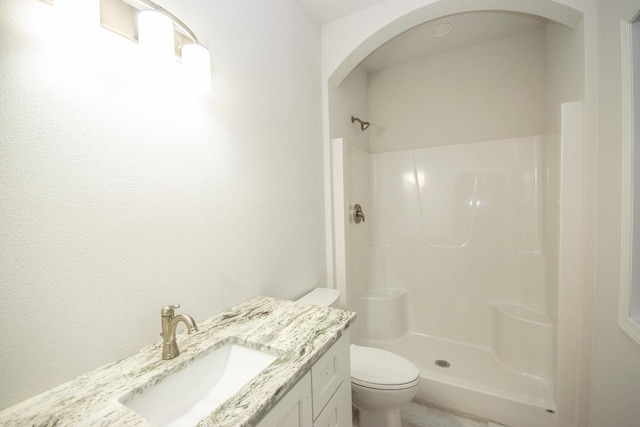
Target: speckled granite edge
{"x": 298, "y": 334}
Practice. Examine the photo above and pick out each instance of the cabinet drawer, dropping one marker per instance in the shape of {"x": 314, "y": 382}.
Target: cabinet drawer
{"x": 294, "y": 409}
{"x": 337, "y": 413}
{"x": 329, "y": 372}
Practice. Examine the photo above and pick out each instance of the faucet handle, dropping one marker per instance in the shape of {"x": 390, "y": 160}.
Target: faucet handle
{"x": 167, "y": 311}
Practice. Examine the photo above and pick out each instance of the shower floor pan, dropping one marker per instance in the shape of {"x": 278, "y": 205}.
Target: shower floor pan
{"x": 474, "y": 382}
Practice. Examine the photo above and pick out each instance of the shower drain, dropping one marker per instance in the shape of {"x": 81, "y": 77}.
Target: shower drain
{"x": 442, "y": 363}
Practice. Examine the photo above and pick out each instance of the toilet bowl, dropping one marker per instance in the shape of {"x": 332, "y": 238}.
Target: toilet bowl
{"x": 381, "y": 381}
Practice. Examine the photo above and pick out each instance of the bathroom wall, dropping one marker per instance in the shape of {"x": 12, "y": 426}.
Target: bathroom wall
{"x": 496, "y": 88}
{"x": 615, "y": 384}
{"x": 119, "y": 195}
{"x": 350, "y": 99}
{"x": 565, "y": 82}
{"x": 564, "y": 70}
{"x": 358, "y": 235}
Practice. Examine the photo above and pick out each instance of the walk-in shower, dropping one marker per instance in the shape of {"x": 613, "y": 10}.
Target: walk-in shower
{"x": 457, "y": 266}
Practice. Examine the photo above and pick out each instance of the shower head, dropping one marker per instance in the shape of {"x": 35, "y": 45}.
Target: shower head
{"x": 363, "y": 125}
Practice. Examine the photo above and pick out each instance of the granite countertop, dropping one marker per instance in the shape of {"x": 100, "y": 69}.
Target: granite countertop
{"x": 298, "y": 334}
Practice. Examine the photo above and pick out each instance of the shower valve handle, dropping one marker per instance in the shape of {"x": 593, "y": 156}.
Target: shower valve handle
{"x": 358, "y": 215}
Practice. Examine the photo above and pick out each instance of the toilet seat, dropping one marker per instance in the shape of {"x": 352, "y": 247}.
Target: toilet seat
{"x": 381, "y": 369}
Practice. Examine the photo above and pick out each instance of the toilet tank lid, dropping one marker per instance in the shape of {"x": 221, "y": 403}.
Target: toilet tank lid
{"x": 323, "y": 297}
{"x": 376, "y": 366}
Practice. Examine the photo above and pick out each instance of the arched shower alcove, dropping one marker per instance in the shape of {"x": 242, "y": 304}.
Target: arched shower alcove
{"x": 471, "y": 269}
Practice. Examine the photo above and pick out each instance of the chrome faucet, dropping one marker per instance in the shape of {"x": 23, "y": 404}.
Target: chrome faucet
{"x": 169, "y": 324}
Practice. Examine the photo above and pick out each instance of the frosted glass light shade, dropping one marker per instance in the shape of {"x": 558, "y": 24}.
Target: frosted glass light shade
{"x": 78, "y": 15}
{"x": 64, "y": 4}
{"x": 155, "y": 35}
{"x": 197, "y": 65}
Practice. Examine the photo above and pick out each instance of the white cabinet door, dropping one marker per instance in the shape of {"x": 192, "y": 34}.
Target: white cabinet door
{"x": 294, "y": 409}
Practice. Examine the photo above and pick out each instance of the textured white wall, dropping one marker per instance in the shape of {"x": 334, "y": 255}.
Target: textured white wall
{"x": 118, "y": 197}
{"x": 496, "y": 89}
{"x": 615, "y": 382}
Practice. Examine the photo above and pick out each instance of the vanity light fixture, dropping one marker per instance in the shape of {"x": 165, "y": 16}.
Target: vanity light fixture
{"x": 197, "y": 66}
{"x": 155, "y": 36}
{"x": 163, "y": 37}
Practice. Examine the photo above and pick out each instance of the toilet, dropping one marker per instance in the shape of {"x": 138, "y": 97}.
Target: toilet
{"x": 381, "y": 381}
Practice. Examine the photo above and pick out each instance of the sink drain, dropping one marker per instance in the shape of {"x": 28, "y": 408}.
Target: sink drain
{"x": 442, "y": 363}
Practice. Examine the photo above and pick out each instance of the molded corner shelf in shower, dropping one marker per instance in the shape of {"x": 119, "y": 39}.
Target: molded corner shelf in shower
{"x": 386, "y": 313}
{"x": 523, "y": 339}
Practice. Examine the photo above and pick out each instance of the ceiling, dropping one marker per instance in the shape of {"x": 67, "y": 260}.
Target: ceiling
{"x": 468, "y": 28}
{"x": 324, "y": 11}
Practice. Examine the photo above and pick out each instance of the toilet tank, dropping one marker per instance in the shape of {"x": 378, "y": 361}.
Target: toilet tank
{"x": 323, "y": 297}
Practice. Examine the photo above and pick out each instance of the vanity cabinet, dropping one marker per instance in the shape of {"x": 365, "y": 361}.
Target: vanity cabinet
{"x": 322, "y": 398}
{"x": 294, "y": 409}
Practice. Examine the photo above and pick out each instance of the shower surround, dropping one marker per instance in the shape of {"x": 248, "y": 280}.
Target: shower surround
{"x": 460, "y": 270}
{"x": 470, "y": 180}
{"x": 461, "y": 227}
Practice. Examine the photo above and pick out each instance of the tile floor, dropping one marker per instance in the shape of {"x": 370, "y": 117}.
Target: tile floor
{"x": 417, "y": 414}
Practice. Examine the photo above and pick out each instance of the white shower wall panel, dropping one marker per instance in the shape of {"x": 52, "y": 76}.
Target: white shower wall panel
{"x": 551, "y": 236}
{"x": 359, "y": 191}
{"x": 452, "y": 221}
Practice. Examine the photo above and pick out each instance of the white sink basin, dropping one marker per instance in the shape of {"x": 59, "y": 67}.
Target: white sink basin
{"x": 189, "y": 395}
